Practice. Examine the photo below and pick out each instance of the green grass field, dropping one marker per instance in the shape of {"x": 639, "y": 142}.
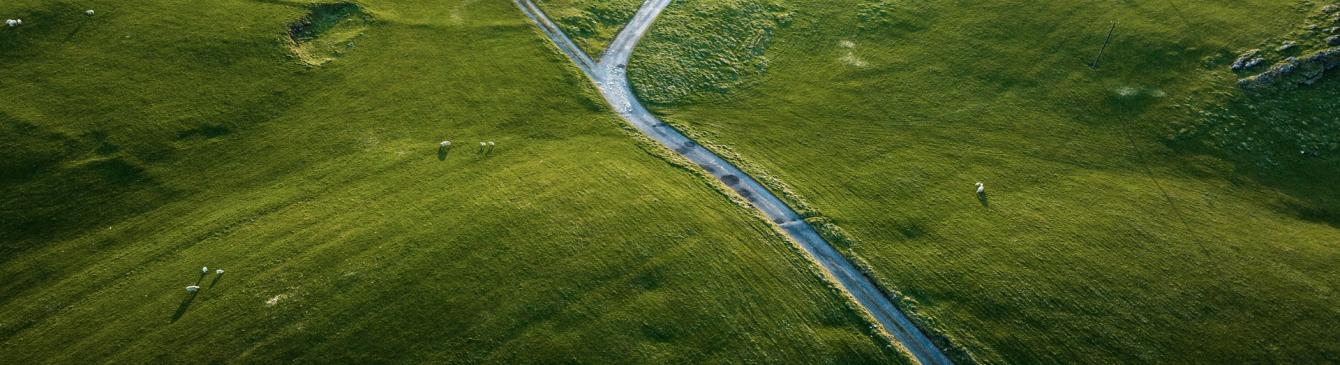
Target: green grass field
{"x": 160, "y": 136}
{"x": 1147, "y": 211}
{"x": 592, "y": 24}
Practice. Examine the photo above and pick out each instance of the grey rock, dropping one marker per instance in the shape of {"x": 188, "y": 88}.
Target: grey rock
{"x": 1311, "y": 79}
{"x": 1333, "y": 40}
{"x": 1305, "y": 71}
{"x": 1286, "y": 46}
{"x": 1253, "y": 63}
{"x": 1252, "y": 57}
{"x": 1289, "y": 66}
{"x": 1330, "y": 57}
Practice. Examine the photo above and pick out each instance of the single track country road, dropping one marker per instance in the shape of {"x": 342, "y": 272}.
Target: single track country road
{"x": 609, "y": 75}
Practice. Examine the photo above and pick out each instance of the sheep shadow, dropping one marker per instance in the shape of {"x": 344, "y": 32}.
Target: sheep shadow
{"x": 185, "y": 304}
{"x": 982, "y": 198}
{"x": 190, "y": 298}
{"x": 442, "y": 153}
{"x": 214, "y": 282}
{"x": 77, "y": 28}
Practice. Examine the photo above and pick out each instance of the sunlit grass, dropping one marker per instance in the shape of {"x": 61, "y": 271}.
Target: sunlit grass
{"x": 1103, "y": 236}
{"x": 161, "y": 136}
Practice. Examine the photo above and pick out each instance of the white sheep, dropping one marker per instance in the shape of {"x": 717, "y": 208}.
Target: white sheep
{"x": 445, "y": 144}
{"x": 219, "y": 271}
{"x": 204, "y": 270}
{"x": 192, "y": 288}
{"x": 88, "y": 12}
{"x": 981, "y": 188}
{"x": 491, "y": 144}
{"x": 13, "y": 22}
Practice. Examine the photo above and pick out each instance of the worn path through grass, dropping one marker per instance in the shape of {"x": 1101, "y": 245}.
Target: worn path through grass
{"x": 610, "y": 78}
{"x": 160, "y": 136}
{"x": 1101, "y": 237}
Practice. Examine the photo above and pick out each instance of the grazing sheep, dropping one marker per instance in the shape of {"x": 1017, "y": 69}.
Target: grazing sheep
{"x": 219, "y": 271}
{"x": 88, "y": 12}
{"x": 204, "y": 270}
{"x": 192, "y": 288}
{"x": 13, "y": 22}
{"x": 981, "y": 188}
{"x": 445, "y": 144}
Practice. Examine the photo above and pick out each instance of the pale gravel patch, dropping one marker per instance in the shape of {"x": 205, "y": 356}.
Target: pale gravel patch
{"x": 852, "y": 60}
{"x": 850, "y": 57}
{"x": 275, "y": 300}
{"x": 1131, "y": 91}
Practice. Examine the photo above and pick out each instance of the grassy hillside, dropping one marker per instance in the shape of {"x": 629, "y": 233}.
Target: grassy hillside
{"x": 157, "y": 137}
{"x": 1120, "y": 222}
{"x": 592, "y": 24}
{"x": 704, "y": 49}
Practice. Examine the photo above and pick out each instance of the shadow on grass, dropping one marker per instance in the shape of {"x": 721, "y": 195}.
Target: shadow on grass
{"x": 982, "y": 198}
{"x": 442, "y": 153}
{"x": 76, "y": 29}
{"x": 185, "y": 304}
{"x": 214, "y": 282}
{"x": 292, "y": 4}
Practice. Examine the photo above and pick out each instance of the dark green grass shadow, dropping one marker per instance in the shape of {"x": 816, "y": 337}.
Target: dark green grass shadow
{"x": 77, "y": 27}
{"x": 214, "y": 282}
{"x": 292, "y": 4}
{"x": 190, "y": 298}
{"x": 185, "y": 304}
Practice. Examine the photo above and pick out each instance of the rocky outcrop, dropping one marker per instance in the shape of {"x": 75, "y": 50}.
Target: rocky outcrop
{"x": 1247, "y": 60}
{"x": 1294, "y": 71}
